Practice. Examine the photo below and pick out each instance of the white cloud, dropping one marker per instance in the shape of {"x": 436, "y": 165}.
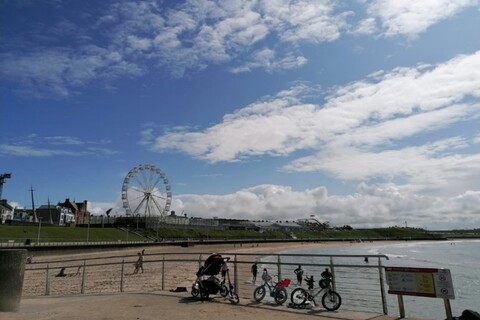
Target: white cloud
{"x": 37, "y": 146}
{"x": 394, "y": 106}
{"x": 413, "y": 17}
{"x": 312, "y": 21}
{"x": 361, "y": 132}
{"x": 365, "y": 26}
{"x": 186, "y": 37}
{"x": 267, "y": 60}
{"x": 29, "y": 151}
{"x": 56, "y": 71}
{"x": 372, "y": 205}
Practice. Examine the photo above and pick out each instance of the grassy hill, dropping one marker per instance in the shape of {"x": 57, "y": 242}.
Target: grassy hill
{"x": 79, "y": 234}
{"x": 64, "y": 234}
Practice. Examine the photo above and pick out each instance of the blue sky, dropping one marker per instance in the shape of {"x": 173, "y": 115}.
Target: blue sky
{"x": 359, "y": 112}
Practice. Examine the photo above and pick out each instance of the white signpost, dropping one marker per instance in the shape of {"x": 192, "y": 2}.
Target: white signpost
{"x": 425, "y": 282}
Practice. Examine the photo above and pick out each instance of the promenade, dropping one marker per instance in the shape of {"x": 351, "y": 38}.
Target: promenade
{"x": 167, "y": 305}
{"x": 100, "y": 285}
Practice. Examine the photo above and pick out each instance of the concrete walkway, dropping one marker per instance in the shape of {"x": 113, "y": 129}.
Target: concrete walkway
{"x": 168, "y": 306}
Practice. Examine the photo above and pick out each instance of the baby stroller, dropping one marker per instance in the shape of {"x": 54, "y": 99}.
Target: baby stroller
{"x": 208, "y": 283}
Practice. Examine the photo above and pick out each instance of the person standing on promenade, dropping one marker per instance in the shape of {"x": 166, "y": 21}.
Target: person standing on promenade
{"x": 254, "y": 272}
{"x": 299, "y": 273}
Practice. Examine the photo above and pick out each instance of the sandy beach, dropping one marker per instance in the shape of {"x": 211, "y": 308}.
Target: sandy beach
{"x": 179, "y": 265}
{"x": 143, "y": 296}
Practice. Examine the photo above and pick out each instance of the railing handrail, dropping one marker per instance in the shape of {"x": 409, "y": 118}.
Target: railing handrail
{"x": 223, "y": 254}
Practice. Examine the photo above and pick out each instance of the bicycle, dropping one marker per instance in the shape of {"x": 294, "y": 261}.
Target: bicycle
{"x": 331, "y": 300}
{"x": 277, "y": 290}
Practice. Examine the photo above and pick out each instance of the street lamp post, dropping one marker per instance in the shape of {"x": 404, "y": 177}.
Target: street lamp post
{"x": 39, "y": 228}
{"x": 138, "y": 216}
{"x": 88, "y": 229}
{"x": 127, "y": 231}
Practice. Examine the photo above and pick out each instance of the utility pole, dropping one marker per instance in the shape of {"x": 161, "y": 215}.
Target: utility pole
{"x": 2, "y": 181}
{"x": 35, "y": 219}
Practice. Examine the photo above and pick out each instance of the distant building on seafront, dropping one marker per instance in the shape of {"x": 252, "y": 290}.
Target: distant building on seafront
{"x": 55, "y": 215}
{"x": 78, "y": 209}
{"x": 6, "y": 211}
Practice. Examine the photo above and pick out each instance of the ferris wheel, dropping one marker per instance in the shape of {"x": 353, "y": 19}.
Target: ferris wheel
{"x": 146, "y": 191}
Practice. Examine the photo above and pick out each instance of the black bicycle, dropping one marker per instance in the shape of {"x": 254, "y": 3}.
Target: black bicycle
{"x": 331, "y": 300}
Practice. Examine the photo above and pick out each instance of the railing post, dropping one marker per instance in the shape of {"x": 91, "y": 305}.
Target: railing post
{"x": 332, "y": 270}
{"x": 279, "y": 268}
{"x": 47, "y": 281}
{"x": 122, "y": 275}
{"x": 401, "y": 306}
{"x": 382, "y": 287}
{"x": 163, "y": 272}
{"x": 199, "y": 260}
{"x": 235, "y": 274}
{"x": 82, "y": 290}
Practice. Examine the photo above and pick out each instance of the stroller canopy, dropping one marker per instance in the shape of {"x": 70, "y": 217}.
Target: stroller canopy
{"x": 213, "y": 264}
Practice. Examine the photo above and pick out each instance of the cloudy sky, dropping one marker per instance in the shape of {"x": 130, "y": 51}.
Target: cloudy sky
{"x": 364, "y": 113}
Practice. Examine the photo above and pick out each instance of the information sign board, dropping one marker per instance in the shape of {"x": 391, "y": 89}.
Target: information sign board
{"x": 426, "y": 282}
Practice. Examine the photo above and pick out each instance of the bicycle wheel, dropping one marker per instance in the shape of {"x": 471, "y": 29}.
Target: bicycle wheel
{"x": 235, "y": 298}
{"x": 281, "y": 295}
{"x": 331, "y": 300}
{"x": 298, "y": 296}
{"x": 259, "y": 293}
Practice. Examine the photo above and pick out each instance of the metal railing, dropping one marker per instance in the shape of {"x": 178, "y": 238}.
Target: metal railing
{"x": 360, "y": 285}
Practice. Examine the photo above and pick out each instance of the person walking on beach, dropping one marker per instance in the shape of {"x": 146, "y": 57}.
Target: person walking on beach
{"x": 254, "y": 272}
{"x": 138, "y": 264}
{"x": 299, "y": 273}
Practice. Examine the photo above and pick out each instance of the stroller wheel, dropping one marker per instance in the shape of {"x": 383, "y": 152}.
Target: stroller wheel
{"x": 195, "y": 292}
{"x": 223, "y": 291}
{"x": 204, "y": 294}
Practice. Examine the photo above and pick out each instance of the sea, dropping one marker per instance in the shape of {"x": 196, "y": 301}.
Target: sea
{"x": 461, "y": 257}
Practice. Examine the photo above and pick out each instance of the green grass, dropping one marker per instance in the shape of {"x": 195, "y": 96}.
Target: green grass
{"x": 213, "y": 234}
{"x": 391, "y": 233}
{"x": 54, "y": 234}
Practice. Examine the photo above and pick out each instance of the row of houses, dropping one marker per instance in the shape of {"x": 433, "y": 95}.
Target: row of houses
{"x": 60, "y": 214}
{"x": 71, "y": 213}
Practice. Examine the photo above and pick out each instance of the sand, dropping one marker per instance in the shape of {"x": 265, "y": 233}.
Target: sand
{"x": 147, "y": 295}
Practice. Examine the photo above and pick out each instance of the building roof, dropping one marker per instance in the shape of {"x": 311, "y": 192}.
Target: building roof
{"x": 4, "y": 204}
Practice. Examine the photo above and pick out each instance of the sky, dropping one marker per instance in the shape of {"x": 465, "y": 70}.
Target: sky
{"x": 361, "y": 113}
